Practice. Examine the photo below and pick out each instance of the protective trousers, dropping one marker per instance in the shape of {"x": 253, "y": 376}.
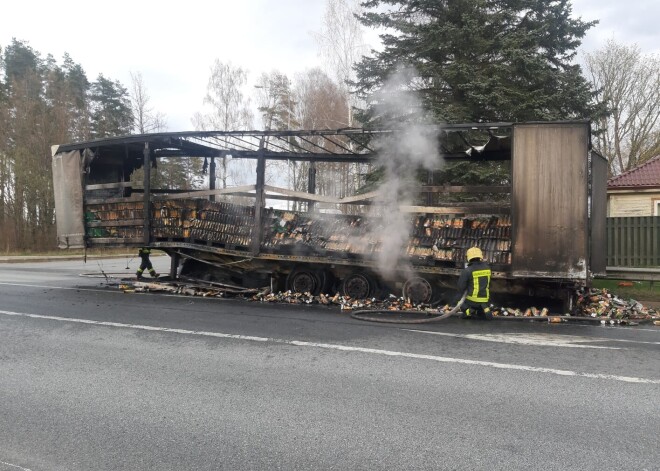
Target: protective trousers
{"x": 145, "y": 264}
{"x": 477, "y": 310}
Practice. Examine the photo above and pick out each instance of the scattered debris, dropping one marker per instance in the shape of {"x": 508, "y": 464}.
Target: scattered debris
{"x": 187, "y": 289}
{"x": 601, "y": 303}
{"x": 592, "y": 303}
{"x": 529, "y": 312}
{"x": 346, "y": 303}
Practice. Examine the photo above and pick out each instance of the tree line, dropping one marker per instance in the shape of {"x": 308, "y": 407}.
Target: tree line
{"x": 43, "y": 102}
{"x": 473, "y": 61}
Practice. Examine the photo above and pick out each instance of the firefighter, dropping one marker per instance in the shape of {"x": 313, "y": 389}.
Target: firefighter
{"x": 475, "y": 278}
{"x": 145, "y": 263}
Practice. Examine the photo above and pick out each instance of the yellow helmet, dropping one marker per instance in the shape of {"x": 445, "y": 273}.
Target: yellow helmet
{"x": 474, "y": 252}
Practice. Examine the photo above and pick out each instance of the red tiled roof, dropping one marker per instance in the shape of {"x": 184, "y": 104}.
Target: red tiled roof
{"x": 646, "y": 175}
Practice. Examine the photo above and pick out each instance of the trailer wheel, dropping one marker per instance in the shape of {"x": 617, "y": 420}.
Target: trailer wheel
{"x": 358, "y": 286}
{"x": 302, "y": 280}
{"x": 418, "y": 290}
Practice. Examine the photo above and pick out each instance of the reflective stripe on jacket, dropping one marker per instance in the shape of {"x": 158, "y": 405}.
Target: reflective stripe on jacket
{"x": 144, "y": 251}
{"x": 476, "y": 280}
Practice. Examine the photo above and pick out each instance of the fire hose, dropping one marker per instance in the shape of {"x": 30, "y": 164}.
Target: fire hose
{"x": 364, "y": 314}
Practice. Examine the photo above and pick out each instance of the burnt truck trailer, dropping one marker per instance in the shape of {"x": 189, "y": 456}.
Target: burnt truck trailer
{"x": 541, "y": 226}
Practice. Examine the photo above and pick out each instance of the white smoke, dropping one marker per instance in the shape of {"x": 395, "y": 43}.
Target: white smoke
{"x": 413, "y": 145}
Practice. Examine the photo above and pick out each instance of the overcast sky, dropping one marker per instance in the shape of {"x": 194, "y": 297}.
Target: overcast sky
{"x": 173, "y": 44}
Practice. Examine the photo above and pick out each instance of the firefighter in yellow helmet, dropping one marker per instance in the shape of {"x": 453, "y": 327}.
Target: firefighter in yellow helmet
{"x": 475, "y": 279}
{"x": 145, "y": 263}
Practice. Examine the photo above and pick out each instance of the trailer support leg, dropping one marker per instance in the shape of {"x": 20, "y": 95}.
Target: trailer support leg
{"x": 174, "y": 265}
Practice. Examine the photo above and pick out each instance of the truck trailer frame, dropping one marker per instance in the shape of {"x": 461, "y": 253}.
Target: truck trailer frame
{"x": 542, "y": 230}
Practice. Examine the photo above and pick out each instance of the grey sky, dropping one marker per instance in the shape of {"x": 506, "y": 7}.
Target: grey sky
{"x": 173, "y": 44}
{"x": 628, "y": 22}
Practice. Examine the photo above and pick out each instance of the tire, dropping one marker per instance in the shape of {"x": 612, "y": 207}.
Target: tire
{"x": 358, "y": 286}
{"x": 304, "y": 280}
{"x": 419, "y": 290}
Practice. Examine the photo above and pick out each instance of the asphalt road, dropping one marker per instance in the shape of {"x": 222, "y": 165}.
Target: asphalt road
{"x": 95, "y": 379}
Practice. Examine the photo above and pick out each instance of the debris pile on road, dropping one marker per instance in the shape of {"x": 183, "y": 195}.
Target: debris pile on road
{"x": 593, "y": 303}
{"x": 346, "y": 303}
{"x": 188, "y": 289}
{"x": 517, "y": 312}
{"x": 603, "y": 304}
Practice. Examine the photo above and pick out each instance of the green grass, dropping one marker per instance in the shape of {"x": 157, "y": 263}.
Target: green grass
{"x": 641, "y": 290}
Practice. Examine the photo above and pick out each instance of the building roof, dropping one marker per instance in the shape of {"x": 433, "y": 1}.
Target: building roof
{"x": 646, "y": 175}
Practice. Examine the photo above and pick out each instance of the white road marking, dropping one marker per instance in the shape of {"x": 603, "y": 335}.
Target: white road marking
{"x": 610, "y": 327}
{"x": 346, "y": 348}
{"x": 536, "y": 340}
{"x": 631, "y": 341}
{"x": 15, "y": 466}
{"x": 539, "y": 340}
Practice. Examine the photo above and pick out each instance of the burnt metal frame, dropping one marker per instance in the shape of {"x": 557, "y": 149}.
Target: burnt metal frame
{"x": 255, "y": 144}
{"x": 349, "y": 145}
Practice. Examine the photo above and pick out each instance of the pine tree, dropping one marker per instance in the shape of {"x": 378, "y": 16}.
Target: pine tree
{"x": 483, "y": 60}
{"x": 78, "y": 89}
{"x": 111, "y": 108}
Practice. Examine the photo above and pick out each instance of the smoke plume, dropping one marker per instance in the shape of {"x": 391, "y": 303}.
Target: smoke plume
{"x": 412, "y": 145}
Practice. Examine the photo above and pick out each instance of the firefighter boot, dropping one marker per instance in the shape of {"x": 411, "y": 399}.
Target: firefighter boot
{"x": 483, "y": 314}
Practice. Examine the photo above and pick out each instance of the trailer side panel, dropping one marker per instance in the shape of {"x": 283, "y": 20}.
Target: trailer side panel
{"x": 67, "y": 186}
{"x": 550, "y": 230}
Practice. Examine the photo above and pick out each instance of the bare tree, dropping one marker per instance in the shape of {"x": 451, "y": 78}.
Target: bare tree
{"x": 145, "y": 118}
{"x": 229, "y": 109}
{"x": 341, "y": 44}
{"x": 276, "y": 105}
{"x": 322, "y": 104}
{"x": 275, "y": 101}
{"x": 170, "y": 172}
{"x": 630, "y": 84}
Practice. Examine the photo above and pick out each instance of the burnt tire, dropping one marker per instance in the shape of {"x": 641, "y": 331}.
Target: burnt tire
{"x": 304, "y": 280}
{"x": 358, "y": 286}
{"x": 419, "y": 290}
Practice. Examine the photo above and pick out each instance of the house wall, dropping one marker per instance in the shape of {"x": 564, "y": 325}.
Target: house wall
{"x": 633, "y": 204}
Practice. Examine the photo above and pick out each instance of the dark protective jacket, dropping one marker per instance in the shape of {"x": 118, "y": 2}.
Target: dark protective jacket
{"x": 144, "y": 252}
{"x": 476, "y": 280}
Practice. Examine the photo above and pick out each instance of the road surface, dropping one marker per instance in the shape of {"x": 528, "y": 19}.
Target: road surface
{"x": 92, "y": 378}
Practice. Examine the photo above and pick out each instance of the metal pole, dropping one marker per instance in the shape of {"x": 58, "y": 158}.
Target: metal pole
{"x": 311, "y": 184}
{"x": 174, "y": 265}
{"x": 212, "y": 178}
{"x": 429, "y": 182}
{"x": 260, "y": 200}
{"x": 146, "y": 236}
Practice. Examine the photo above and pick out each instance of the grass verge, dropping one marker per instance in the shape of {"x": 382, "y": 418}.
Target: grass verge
{"x": 640, "y": 290}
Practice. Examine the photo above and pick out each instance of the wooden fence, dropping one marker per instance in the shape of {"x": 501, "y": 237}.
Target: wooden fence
{"x": 633, "y": 241}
